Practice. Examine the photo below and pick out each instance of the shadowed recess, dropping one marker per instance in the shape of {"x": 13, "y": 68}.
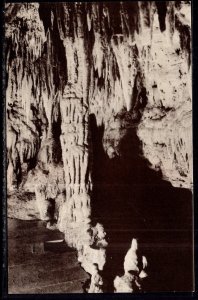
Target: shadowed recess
{"x": 162, "y": 10}
{"x": 131, "y": 200}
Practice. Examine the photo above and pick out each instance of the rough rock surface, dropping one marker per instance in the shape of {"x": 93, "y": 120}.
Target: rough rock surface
{"x": 134, "y": 271}
{"x": 124, "y": 68}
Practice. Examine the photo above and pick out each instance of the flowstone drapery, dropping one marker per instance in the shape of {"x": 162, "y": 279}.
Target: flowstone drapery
{"x": 124, "y": 66}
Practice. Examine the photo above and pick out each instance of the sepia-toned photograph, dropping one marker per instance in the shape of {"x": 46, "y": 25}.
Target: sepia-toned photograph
{"x": 99, "y": 159}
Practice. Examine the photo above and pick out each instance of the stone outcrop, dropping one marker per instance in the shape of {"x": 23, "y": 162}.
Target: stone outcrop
{"x": 134, "y": 271}
{"x": 126, "y": 64}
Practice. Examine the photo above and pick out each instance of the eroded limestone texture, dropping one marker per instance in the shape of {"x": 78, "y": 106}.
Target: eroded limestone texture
{"x": 126, "y": 66}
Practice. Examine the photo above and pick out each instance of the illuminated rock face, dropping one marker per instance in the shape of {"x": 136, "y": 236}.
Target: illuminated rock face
{"x": 128, "y": 65}
{"x": 134, "y": 271}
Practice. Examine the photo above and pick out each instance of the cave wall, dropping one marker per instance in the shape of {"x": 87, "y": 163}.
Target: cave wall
{"x": 105, "y": 55}
{"x": 127, "y": 64}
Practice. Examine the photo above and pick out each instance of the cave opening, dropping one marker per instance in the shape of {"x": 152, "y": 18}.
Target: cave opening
{"x": 133, "y": 201}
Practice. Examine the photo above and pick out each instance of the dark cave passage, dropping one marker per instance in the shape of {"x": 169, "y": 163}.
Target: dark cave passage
{"x": 133, "y": 201}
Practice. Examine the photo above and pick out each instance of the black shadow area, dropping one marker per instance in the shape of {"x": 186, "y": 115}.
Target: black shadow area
{"x": 133, "y": 201}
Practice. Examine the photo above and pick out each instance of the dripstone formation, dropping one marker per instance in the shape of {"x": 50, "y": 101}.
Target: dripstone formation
{"x": 83, "y": 79}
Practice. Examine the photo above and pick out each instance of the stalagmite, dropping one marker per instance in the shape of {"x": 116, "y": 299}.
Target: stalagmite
{"x": 134, "y": 271}
{"x": 82, "y": 79}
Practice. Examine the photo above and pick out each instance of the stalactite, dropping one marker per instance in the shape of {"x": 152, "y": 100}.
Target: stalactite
{"x": 129, "y": 65}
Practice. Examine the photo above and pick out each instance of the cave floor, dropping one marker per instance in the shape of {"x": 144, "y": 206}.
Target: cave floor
{"x": 36, "y": 266}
